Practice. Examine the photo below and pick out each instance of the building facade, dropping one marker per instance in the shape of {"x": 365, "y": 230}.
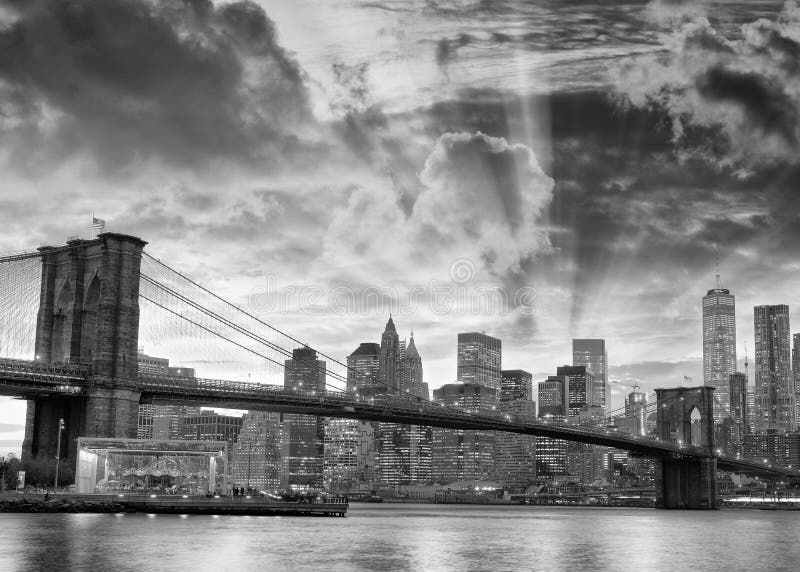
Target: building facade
{"x": 591, "y": 352}
{"x": 551, "y": 454}
{"x": 480, "y": 360}
{"x": 304, "y": 435}
{"x": 258, "y": 462}
{"x": 579, "y": 384}
{"x": 463, "y": 454}
{"x": 516, "y": 385}
{"x": 719, "y": 346}
{"x": 774, "y": 392}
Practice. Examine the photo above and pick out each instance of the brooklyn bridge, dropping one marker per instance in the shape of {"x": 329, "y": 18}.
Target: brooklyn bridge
{"x": 71, "y": 318}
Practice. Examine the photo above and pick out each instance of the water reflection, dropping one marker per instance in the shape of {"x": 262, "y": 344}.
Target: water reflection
{"x": 408, "y": 537}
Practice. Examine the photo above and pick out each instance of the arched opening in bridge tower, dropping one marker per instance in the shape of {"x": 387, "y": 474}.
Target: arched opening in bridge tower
{"x": 89, "y": 323}
{"x": 62, "y": 324}
{"x": 695, "y": 433}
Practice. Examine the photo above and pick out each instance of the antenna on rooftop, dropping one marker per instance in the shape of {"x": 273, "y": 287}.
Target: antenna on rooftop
{"x": 719, "y": 284}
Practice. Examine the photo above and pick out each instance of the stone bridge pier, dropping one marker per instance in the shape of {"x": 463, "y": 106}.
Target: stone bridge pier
{"x": 89, "y": 315}
{"x": 686, "y": 417}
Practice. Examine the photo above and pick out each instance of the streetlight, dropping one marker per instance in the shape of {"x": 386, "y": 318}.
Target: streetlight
{"x": 58, "y": 452}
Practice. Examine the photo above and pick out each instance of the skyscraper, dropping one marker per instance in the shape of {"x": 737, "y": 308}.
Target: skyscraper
{"x": 388, "y": 364}
{"x": 592, "y": 354}
{"x": 636, "y": 409}
{"x": 258, "y": 460}
{"x": 362, "y": 367}
{"x": 463, "y": 454}
{"x": 350, "y": 458}
{"x": 579, "y": 385}
{"x": 404, "y": 451}
{"x": 514, "y": 455}
{"x": 774, "y": 395}
{"x": 738, "y": 406}
{"x": 480, "y": 360}
{"x": 796, "y": 374}
{"x": 551, "y": 454}
{"x": 719, "y": 345}
{"x": 304, "y": 434}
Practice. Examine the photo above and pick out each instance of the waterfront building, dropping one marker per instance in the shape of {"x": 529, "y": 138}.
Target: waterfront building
{"x": 591, "y": 352}
{"x": 212, "y": 426}
{"x": 303, "y": 447}
{"x": 551, "y": 454}
{"x": 514, "y": 455}
{"x": 774, "y": 395}
{"x": 349, "y": 462}
{"x": 480, "y": 360}
{"x": 463, "y": 454}
{"x": 258, "y": 461}
{"x": 163, "y": 422}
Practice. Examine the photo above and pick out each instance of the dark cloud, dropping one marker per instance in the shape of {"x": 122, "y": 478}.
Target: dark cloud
{"x": 732, "y": 101}
{"x": 133, "y": 80}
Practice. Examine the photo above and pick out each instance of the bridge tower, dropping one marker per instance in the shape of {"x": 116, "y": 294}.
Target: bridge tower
{"x": 89, "y": 315}
{"x": 686, "y": 417}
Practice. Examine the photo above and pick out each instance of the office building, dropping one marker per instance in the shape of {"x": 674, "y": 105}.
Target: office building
{"x": 580, "y": 382}
{"x": 774, "y": 392}
{"x": 515, "y": 455}
{"x": 636, "y": 410}
{"x": 516, "y": 385}
{"x": 592, "y": 354}
{"x": 304, "y": 435}
{"x": 350, "y": 462}
{"x": 719, "y": 345}
{"x": 162, "y": 422}
{"x": 362, "y": 367}
{"x": 258, "y": 462}
{"x": 738, "y": 405}
{"x": 212, "y": 426}
{"x": 551, "y": 454}
{"x": 480, "y": 360}
{"x": 463, "y": 454}
{"x": 796, "y": 375}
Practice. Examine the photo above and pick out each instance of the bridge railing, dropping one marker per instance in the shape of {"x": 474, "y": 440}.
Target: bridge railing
{"x": 43, "y": 373}
{"x": 243, "y": 391}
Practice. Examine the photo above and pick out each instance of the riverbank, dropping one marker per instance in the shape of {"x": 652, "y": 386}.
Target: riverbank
{"x": 169, "y": 504}
{"x": 60, "y": 504}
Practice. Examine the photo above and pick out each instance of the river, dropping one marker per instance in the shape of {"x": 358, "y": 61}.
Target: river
{"x": 408, "y": 537}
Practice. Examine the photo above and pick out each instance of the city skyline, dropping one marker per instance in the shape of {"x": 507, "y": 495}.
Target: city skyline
{"x": 620, "y": 219}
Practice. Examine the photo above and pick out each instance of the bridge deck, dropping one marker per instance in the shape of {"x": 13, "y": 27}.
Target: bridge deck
{"x": 27, "y": 379}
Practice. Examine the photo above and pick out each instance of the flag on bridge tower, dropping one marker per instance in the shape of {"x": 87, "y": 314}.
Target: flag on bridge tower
{"x": 98, "y": 225}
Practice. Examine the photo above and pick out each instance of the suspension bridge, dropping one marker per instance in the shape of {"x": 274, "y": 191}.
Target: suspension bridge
{"x": 73, "y": 317}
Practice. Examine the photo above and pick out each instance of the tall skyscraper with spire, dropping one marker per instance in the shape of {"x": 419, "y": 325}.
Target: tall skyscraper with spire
{"x": 403, "y": 450}
{"x": 388, "y": 365}
{"x": 774, "y": 399}
{"x": 719, "y": 345}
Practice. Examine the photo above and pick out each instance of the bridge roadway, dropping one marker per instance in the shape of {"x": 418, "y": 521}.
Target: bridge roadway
{"x": 29, "y": 380}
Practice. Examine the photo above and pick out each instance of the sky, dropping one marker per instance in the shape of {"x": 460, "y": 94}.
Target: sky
{"x": 537, "y": 170}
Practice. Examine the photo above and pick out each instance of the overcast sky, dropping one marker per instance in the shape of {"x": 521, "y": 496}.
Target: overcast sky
{"x": 552, "y": 169}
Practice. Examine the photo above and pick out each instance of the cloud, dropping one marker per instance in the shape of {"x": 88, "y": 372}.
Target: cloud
{"x": 481, "y": 198}
{"x": 734, "y": 103}
{"x": 182, "y": 82}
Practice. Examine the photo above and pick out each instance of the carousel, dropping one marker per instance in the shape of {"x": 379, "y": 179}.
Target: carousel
{"x": 143, "y": 466}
